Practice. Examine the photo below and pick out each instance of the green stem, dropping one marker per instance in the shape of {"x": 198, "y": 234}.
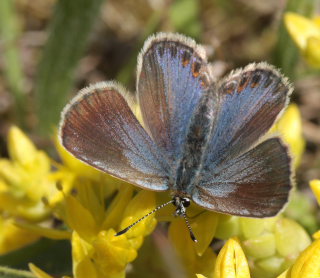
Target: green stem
{"x": 7, "y": 272}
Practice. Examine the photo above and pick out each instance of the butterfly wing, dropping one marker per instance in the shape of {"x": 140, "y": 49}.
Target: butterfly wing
{"x": 172, "y": 76}
{"x": 236, "y": 178}
{"x": 250, "y": 102}
{"x": 255, "y": 184}
{"x": 99, "y": 128}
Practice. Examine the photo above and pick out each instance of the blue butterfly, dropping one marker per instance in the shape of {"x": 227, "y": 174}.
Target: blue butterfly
{"x": 202, "y": 140}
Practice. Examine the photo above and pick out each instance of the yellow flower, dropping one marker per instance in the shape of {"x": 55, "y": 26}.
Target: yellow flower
{"x": 13, "y": 237}
{"x": 270, "y": 244}
{"x": 307, "y": 265}
{"x": 38, "y": 272}
{"x": 96, "y": 251}
{"x": 306, "y": 34}
{"x": 231, "y": 261}
{"x": 290, "y": 127}
{"x": 27, "y": 179}
{"x": 315, "y": 186}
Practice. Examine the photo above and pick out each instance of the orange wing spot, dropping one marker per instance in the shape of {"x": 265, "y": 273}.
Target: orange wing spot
{"x": 185, "y": 58}
{"x": 185, "y": 62}
{"x": 196, "y": 69}
{"x": 255, "y": 81}
{"x": 243, "y": 84}
{"x": 254, "y": 85}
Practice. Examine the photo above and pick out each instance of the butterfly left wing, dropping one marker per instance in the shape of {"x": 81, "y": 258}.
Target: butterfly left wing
{"x": 99, "y": 128}
{"x": 255, "y": 184}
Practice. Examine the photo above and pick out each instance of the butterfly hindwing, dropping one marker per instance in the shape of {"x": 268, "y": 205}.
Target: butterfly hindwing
{"x": 254, "y": 184}
{"x": 172, "y": 76}
{"x": 99, "y": 128}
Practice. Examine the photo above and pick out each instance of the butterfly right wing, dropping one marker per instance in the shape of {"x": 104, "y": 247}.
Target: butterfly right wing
{"x": 236, "y": 177}
{"x": 99, "y": 128}
{"x": 250, "y": 101}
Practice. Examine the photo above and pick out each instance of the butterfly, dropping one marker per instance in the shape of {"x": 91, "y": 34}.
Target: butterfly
{"x": 203, "y": 140}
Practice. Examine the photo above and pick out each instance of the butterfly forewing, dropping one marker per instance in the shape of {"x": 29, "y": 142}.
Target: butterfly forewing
{"x": 255, "y": 184}
{"x": 172, "y": 76}
{"x": 99, "y": 128}
{"x": 250, "y": 102}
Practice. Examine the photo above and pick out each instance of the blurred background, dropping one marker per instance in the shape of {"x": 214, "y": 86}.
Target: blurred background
{"x": 50, "y": 49}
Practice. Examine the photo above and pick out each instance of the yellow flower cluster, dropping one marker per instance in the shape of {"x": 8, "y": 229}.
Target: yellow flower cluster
{"x": 232, "y": 263}
{"x": 96, "y": 251}
{"x": 31, "y": 192}
{"x": 26, "y": 180}
{"x": 306, "y": 34}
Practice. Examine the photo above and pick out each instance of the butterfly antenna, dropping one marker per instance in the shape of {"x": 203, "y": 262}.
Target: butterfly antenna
{"x": 189, "y": 227}
{"x": 151, "y": 212}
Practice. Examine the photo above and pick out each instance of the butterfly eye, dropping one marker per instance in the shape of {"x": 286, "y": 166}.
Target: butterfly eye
{"x": 186, "y": 202}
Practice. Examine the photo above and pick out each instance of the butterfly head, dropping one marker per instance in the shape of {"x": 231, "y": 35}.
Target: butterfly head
{"x": 181, "y": 203}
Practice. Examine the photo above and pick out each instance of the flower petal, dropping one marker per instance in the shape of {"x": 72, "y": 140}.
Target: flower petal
{"x": 38, "y": 272}
{"x": 43, "y": 231}
{"x": 115, "y": 211}
{"x": 81, "y": 251}
{"x": 315, "y": 186}
{"x": 143, "y": 203}
{"x": 80, "y": 219}
{"x": 312, "y": 51}
{"x": 204, "y": 228}
{"x": 13, "y": 237}
{"x": 301, "y": 28}
{"x": 182, "y": 243}
{"x": 307, "y": 265}
{"x": 290, "y": 127}
{"x": 20, "y": 147}
{"x": 316, "y": 235}
{"x": 231, "y": 261}
{"x": 112, "y": 253}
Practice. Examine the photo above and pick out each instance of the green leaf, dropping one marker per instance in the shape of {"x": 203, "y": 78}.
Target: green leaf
{"x": 10, "y": 32}
{"x": 53, "y": 256}
{"x": 70, "y": 28}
